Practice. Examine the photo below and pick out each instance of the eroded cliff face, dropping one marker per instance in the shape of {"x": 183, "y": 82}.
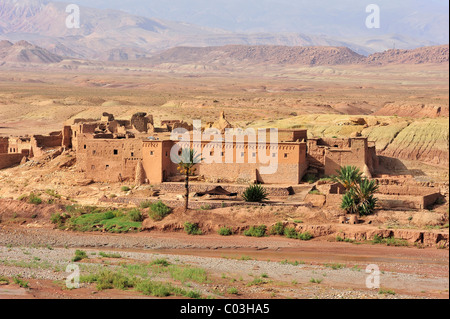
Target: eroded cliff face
{"x": 415, "y": 111}
{"x": 425, "y": 140}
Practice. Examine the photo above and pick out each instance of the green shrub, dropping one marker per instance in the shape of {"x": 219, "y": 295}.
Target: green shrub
{"x": 110, "y": 221}
{"x": 4, "y": 280}
{"x": 305, "y": 236}
{"x": 256, "y": 231}
{"x": 291, "y": 233}
{"x": 107, "y": 279}
{"x": 32, "y": 199}
{"x": 277, "y": 229}
{"x": 125, "y": 189}
{"x": 22, "y": 283}
{"x": 316, "y": 281}
{"x": 192, "y": 229}
{"x": 160, "y": 262}
{"x": 112, "y": 255}
{"x": 233, "y": 291}
{"x": 145, "y": 204}
{"x": 56, "y": 219}
{"x": 386, "y": 292}
{"x": 225, "y": 231}
{"x": 159, "y": 210}
{"x": 79, "y": 255}
{"x": 310, "y": 178}
{"x": 53, "y": 193}
{"x": 255, "y": 194}
{"x": 135, "y": 215}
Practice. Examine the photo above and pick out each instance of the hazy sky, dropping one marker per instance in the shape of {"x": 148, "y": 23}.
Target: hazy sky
{"x": 414, "y": 18}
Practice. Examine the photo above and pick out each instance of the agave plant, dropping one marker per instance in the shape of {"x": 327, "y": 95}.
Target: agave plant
{"x": 255, "y": 194}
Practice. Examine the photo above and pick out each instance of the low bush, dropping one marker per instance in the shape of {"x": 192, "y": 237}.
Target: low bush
{"x": 32, "y": 199}
{"x": 233, "y": 291}
{"x": 160, "y": 262}
{"x": 158, "y": 211}
{"x": 305, "y": 236}
{"x": 79, "y": 255}
{"x": 291, "y": 233}
{"x": 310, "y": 178}
{"x": 110, "y": 221}
{"x": 255, "y": 194}
{"x": 4, "y": 280}
{"x": 192, "y": 229}
{"x": 225, "y": 231}
{"x": 256, "y": 231}
{"x": 277, "y": 229}
{"x": 107, "y": 255}
{"x": 135, "y": 215}
{"x": 22, "y": 283}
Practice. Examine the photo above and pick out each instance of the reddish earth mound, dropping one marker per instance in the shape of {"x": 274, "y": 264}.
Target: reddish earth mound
{"x": 241, "y": 54}
{"x": 413, "y": 110}
{"x": 434, "y": 54}
{"x": 11, "y": 210}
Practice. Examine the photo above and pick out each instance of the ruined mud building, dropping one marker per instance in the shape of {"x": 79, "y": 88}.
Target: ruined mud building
{"x": 14, "y": 150}
{"x": 111, "y": 150}
{"x": 116, "y": 150}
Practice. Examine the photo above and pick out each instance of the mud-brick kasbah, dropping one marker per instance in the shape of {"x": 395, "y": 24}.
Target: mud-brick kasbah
{"x": 110, "y": 150}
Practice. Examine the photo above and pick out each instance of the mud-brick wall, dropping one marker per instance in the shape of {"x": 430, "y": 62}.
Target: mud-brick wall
{"x": 334, "y": 200}
{"x": 8, "y": 160}
{"x": 4, "y": 141}
{"x": 109, "y": 160}
{"x": 178, "y": 188}
{"x": 408, "y": 190}
{"x": 48, "y": 141}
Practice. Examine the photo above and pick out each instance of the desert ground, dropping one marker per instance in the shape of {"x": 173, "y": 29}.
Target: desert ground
{"x": 405, "y": 108}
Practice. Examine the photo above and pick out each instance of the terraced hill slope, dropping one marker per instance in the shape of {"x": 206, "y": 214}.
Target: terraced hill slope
{"x": 425, "y": 140}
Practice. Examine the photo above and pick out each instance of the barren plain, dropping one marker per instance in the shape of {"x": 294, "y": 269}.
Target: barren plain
{"x": 405, "y": 110}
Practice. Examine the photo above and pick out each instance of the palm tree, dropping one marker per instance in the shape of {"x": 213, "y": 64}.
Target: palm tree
{"x": 348, "y": 176}
{"x": 186, "y": 162}
{"x": 350, "y": 202}
{"x": 365, "y": 191}
{"x": 360, "y": 193}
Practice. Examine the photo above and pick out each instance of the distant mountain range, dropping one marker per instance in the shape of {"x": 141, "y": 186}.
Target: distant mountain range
{"x": 286, "y": 55}
{"x": 118, "y": 36}
{"x": 229, "y": 56}
{"x": 24, "y": 52}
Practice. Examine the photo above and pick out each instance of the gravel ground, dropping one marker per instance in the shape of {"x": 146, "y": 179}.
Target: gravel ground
{"x": 44, "y": 254}
{"x": 50, "y": 264}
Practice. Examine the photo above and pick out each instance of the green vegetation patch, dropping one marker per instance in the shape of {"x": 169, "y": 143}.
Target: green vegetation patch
{"x": 256, "y": 231}
{"x": 158, "y": 211}
{"x": 225, "y": 231}
{"x": 109, "y": 221}
{"x": 192, "y": 229}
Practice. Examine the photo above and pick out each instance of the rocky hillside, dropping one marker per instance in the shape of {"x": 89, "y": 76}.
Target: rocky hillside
{"x": 413, "y": 110}
{"x": 285, "y": 55}
{"x": 423, "y": 140}
{"x": 433, "y": 54}
{"x": 241, "y": 54}
{"x": 24, "y": 52}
